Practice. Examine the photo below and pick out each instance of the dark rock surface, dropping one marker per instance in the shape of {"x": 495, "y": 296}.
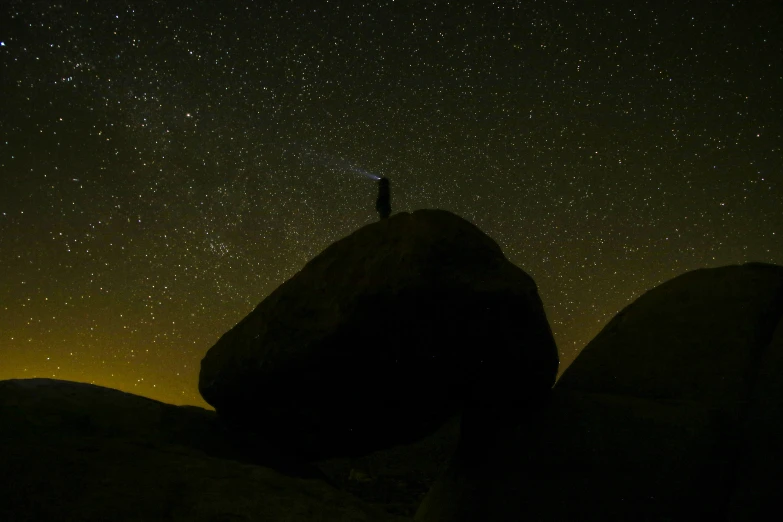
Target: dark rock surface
{"x": 671, "y": 413}
{"x": 395, "y": 479}
{"x": 759, "y": 479}
{"x": 381, "y": 338}
{"x": 694, "y": 338}
{"x": 479, "y": 484}
{"x": 95, "y": 411}
{"x": 77, "y": 452}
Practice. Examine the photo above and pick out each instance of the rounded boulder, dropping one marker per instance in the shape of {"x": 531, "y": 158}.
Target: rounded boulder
{"x": 381, "y": 338}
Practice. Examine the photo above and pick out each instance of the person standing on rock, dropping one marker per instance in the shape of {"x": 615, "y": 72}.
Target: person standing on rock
{"x": 383, "y": 204}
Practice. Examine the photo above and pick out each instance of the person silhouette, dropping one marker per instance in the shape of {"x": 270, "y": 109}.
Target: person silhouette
{"x": 383, "y": 204}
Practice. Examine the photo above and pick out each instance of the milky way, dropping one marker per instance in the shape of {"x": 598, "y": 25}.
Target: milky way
{"x": 155, "y": 186}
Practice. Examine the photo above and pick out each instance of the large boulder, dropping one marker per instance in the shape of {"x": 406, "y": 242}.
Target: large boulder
{"x": 695, "y": 339}
{"x": 671, "y": 413}
{"x": 76, "y": 452}
{"x": 759, "y": 480}
{"x": 383, "y": 337}
{"x": 663, "y": 395}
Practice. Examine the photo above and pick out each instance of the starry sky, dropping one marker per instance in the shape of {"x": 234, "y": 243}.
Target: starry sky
{"x": 165, "y": 165}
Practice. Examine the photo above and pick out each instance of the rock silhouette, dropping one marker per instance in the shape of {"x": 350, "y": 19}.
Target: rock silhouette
{"x": 671, "y": 413}
{"x": 381, "y": 338}
{"x": 395, "y": 479}
{"x": 77, "y": 452}
{"x": 412, "y": 344}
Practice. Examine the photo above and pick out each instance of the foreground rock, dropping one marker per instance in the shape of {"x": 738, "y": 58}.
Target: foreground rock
{"x": 381, "y": 338}
{"x": 697, "y": 338}
{"x": 397, "y": 478}
{"x": 758, "y": 481}
{"x": 671, "y": 413}
{"x": 77, "y": 452}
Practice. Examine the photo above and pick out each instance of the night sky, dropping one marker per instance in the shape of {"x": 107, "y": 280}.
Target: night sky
{"x": 165, "y": 165}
